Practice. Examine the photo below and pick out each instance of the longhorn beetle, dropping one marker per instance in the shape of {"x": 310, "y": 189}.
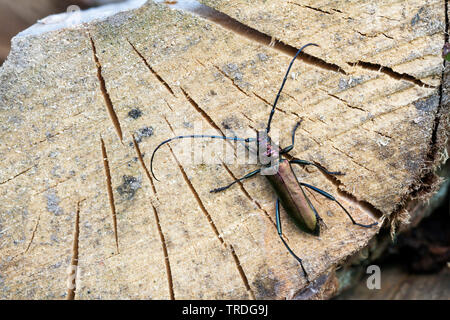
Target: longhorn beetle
{"x": 290, "y": 191}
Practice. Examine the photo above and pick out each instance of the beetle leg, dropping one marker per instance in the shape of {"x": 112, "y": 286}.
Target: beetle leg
{"x": 308, "y": 163}
{"x": 251, "y": 174}
{"x": 280, "y": 233}
{"x": 289, "y": 148}
{"x": 329, "y": 196}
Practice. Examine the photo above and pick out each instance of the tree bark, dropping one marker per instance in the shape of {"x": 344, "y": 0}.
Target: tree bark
{"x": 83, "y": 107}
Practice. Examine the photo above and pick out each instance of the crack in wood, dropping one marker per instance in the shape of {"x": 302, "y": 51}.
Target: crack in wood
{"x": 309, "y": 7}
{"x": 201, "y": 111}
{"x": 157, "y": 222}
{"x": 366, "y": 121}
{"x": 242, "y": 272}
{"x": 265, "y": 101}
{"x": 353, "y": 160}
{"x": 229, "y": 23}
{"x": 446, "y": 35}
{"x": 363, "y": 205}
{"x": 168, "y": 105}
{"x": 166, "y": 254}
{"x": 378, "y": 132}
{"x": 387, "y": 36}
{"x": 342, "y": 100}
{"x": 104, "y": 90}
{"x": 33, "y": 233}
{"x": 390, "y": 72}
{"x": 292, "y": 97}
{"x": 17, "y": 175}
{"x": 200, "y": 63}
{"x": 205, "y": 116}
{"x": 246, "y": 117}
{"x": 50, "y": 136}
{"x": 374, "y": 35}
{"x": 160, "y": 79}
{"x": 276, "y": 108}
{"x": 110, "y": 192}
{"x": 309, "y": 133}
{"x": 72, "y": 285}
{"x": 232, "y": 81}
{"x": 431, "y": 155}
{"x": 210, "y": 220}
{"x": 141, "y": 160}
{"x": 53, "y": 185}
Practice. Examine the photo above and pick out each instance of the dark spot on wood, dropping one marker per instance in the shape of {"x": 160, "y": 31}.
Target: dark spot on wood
{"x": 231, "y": 122}
{"x": 427, "y": 105}
{"x": 312, "y": 289}
{"x": 383, "y": 153}
{"x": 53, "y": 203}
{"x": 416, "y": 18}
{"x": 135, "y": 113}
{"x": 412, "y": 164}
{"x": 263, "y": 57}
{"x": 143, "y": 133}
{"x": 232, "y": 71}
{"x": 265, "y": 287}
{"x": 128, "y": 188}
{"x": 349, "y": 83}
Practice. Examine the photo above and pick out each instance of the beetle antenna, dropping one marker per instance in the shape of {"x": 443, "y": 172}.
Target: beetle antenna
{"x": 284, "y": 81}
{"x": 193, "y": 136}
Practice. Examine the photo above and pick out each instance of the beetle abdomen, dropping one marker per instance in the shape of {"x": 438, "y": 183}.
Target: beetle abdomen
{"x": 293, "y": 198}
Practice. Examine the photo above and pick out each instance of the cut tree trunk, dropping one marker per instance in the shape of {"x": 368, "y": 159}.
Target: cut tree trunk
{"x": 83, "y": 107}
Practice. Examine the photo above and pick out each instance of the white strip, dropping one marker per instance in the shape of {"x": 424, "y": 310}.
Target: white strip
{"x": 74, "y": 17}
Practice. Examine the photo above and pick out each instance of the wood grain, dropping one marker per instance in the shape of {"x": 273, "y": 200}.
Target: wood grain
{"x": 166, "y": 72}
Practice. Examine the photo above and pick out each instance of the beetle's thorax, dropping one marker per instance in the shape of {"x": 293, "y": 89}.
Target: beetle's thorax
{"x": 268, "y": 152}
